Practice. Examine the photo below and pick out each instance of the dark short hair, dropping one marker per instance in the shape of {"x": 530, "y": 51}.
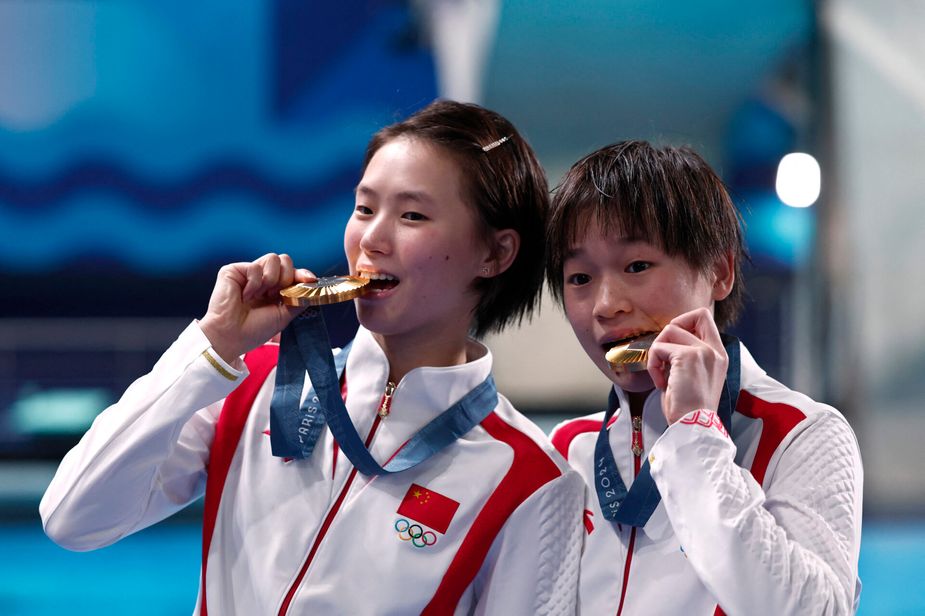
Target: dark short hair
{"x": 667, "y": 196}
{"x": 506, "y": 185}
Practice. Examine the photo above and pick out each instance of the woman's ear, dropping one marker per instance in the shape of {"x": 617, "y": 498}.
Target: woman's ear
{"x": 724, "y": 276}
{"x": 503, "y": 250}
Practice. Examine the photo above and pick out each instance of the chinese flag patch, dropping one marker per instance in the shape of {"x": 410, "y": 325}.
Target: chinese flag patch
{"x": 428, "y": 508}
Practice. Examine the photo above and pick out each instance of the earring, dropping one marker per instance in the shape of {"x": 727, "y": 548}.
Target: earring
{"x": 485, "y": 271}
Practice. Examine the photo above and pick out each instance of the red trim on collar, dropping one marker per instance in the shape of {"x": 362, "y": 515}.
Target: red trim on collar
{"x": 564, "y": 435}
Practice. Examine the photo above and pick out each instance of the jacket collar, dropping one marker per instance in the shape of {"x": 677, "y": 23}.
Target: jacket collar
{"x": 422, "y": 394}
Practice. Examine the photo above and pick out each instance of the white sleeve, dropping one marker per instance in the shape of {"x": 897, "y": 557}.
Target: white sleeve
{"x": 532, "y": 567}
{"x": 144, "y": 457}
{"x": 791, "y": 550}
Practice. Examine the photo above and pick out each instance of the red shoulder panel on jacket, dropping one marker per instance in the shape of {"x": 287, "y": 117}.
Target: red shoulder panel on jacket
{"x": 531, "y": 469}
{"x": 777, "y": 420}
{"x": 228, "y": 430}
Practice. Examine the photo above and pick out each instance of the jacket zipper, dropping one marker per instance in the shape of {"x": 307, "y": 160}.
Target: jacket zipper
{"x": 384, "y": 408}
{"x": 386, "y": 405}
{"x": 637, "y": 448}
{"x": 637, "y": 441}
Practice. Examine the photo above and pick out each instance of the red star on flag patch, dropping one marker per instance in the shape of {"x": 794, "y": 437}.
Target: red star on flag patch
{"x": 428, "y": 508}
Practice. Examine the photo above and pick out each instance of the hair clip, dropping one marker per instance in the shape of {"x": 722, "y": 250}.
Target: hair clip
{"x": 494, "y": 144}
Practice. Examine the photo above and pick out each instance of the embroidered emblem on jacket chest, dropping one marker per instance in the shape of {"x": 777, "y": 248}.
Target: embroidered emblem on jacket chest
{"x": 423, "y": 515}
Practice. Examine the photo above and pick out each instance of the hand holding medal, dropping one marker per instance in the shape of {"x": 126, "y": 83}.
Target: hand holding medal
{"x": 245, "y": 309}
{"x": 689, "y": 364}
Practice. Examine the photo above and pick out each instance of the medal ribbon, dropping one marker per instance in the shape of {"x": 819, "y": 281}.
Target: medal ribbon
{"x": 295, "y": 429}
{"x": 635, "y": 506}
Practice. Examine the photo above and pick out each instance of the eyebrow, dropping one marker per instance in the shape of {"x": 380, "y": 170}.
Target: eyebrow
{"x": 571, "y": 253}
{"x": 575, "y": 252}
{"x": 417, "y": 196}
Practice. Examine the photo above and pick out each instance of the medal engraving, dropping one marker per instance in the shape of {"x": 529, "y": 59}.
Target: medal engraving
{"x": 325, "y": 290}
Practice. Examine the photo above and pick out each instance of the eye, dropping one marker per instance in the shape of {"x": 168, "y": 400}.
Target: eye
{"x": 362, "y": 209}
{"x": 577, "y": 280}
{"x": 637, "y": 267}
{"x": 414, "y": 216}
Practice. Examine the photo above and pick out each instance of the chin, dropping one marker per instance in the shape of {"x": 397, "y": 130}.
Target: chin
{"x": 374, "y": 325}
{"x": 631, "y": 381}
{"x": 384, "y": 325}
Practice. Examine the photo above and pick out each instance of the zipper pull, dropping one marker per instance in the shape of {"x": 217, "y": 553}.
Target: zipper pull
{"x": 637, "y": 436}
{"x": 386, "y": 405}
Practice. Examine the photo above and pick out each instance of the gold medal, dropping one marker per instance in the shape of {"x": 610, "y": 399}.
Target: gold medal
{"x": 631, "y": 356}
{"x": 325, "y": 290}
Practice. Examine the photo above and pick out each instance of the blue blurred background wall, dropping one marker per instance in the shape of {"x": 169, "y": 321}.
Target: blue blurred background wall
{"x": 143, "y": 144}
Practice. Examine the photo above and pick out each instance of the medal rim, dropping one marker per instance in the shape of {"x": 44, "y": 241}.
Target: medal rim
{"x": 325, "y": 290}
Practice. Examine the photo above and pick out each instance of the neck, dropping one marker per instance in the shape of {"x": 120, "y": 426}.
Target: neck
{"x": 407, "y": 352}
{"x": 637, "y": 400}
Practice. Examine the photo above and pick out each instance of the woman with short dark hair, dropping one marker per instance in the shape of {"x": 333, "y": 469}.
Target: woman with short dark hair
{"x": 715, "y": 489}
{"x": 397, "y": 480}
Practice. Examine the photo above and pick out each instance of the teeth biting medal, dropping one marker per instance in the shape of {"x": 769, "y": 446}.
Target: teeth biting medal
{"x": 325, "y": 290}
{"x": 632, "y": 354}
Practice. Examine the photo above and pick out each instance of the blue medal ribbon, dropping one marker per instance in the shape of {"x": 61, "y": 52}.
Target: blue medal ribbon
{"x": 295, "y": 429}
{"x": 635, "y": 506}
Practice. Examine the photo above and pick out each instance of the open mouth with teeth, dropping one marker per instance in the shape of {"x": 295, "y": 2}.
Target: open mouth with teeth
{"x": 379, "y": 282}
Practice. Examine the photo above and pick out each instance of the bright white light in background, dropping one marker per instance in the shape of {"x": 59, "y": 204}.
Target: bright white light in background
{"x": 799, "y": 180}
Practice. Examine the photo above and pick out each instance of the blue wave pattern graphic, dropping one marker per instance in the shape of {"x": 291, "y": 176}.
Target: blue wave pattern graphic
{"x": 158, "y": 242}
{"x": 258, "y": 149}
{"x": 222, "y": 178}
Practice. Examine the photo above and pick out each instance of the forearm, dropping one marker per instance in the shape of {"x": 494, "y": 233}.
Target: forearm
{"x": 793, "y": 550}
{"x": 144, "y": 457}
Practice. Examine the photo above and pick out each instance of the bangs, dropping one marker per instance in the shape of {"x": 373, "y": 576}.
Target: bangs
{"x": 667, "y": 197}
{"x": 604, "y": 216}
{"x": 619, "y": 200}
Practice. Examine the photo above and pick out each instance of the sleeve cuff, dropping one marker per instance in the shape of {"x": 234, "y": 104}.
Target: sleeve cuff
{"x": 696, "y": 428}
{"x": 221, "y": 366}
{"x": 232, "y": 372}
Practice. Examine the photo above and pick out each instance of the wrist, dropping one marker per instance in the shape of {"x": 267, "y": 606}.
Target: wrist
{"x": 222, "y": 344}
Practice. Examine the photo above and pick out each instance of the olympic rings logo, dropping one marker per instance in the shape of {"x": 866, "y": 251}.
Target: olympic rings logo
{"x": 414, "y": 533}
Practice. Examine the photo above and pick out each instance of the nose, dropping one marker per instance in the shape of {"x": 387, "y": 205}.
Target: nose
{"x": 610, "y": 299}
{"x": 376, "y": 236}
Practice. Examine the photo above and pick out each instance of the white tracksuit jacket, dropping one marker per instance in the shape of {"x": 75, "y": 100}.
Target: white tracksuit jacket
{"x": 314, "y": 536}
{"x": 765, "y": 522}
